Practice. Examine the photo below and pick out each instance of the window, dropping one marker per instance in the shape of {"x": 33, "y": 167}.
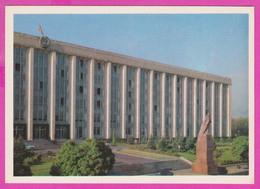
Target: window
{"x": 81, "y": 89}
{"x": 17, "y": 67}
{"x": 129, "y": 118}
{"x": 80, "y": 132}
{"x": 96, "y": 130}
{"x": 129, "y": 106}
{"x": 41, "y": 84}
{"x": 99, "y": 66}
{"x": 98, "y": 91}
{"x": 178, "y": 80}
{"x": 98, "y": 103}
{"x": 81, "y": 76}
{"x": 155, "y": 75}
{"x": 115, "y": 69}
{"x": 155, "y": 108}
{"x": 129, "y": 94}
{"x": 81, "y": 63}
{"x": 178, "y": 89}
{"x": 128, "y": 131}
{"x": 198, "y": 101}
{"x": 129, "y": 83}
{"x": 62, "y": 73}
{"x": 62, "y": 101}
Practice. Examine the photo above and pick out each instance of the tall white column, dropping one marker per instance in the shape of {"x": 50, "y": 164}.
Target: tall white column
{"x": 185, "y": 107}
{"x": 203, "y": 99}
{"x": 123, "y": 100}
{"x": 174, "y": 105}
{"x": 29, "y": 92}
{"x": 91, "y": 77}
{"x": 108, "y": 100}
{"x": 163, "y": 76}
{"x": 212, "y": 108}
{"x": 220, "y": 109}
{"x": 150, "y": 103}
{"x": 229, "y": 111}
{"x": 195, "y": 107}
{"x": 72, "y": 95}
{"x": 137, "y": 100}
{"x": 52, "y": 92}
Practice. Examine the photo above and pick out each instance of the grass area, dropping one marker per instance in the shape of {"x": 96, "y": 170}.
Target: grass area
{"x": 42, "y": 169}
{"x": 188, "y": 156}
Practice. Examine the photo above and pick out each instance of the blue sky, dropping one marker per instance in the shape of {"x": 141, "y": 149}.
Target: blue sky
{"x": 212, "y": 43}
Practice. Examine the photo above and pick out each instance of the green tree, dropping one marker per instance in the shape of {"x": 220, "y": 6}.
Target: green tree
{"x": 240, "y": 147}
{"x": 151, "y": 143}
{"x": 114, "y": 138}
{"x": 90, "y": 157}
{"x": 20, "y": 154}
{"x": 239, "y": 127}
{"x": 161, "y": 144}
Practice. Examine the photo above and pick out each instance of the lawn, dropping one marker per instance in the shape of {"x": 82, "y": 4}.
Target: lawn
{"x": 42, "y": 169}
{"x": 188, "y": 156}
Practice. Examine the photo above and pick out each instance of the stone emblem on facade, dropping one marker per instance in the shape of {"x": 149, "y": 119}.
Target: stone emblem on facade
{"x": 204, "y": 163}
{"x": 44, "y": 42}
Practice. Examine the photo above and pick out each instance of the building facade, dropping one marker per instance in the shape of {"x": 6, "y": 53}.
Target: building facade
{"x": 65, "y": 91}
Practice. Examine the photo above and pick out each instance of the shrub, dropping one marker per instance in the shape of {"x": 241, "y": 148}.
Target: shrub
{"x": 130, "y": 140}
{"x": 35, "y": 159}
{"x": 50, "y": 153}
{"x": 90, "y": 157}
{"x": 179, "y": 142}
{"x": 151, "y": 143}
{"x": 190, "y": 143}
{"x": 114, "y": 138}
{"x": 240, "y": 147}
{"x": 161, "y": 145}
{"x": 20, "y": 154}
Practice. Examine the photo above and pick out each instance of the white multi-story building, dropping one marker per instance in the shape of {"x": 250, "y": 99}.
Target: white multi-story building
{"x": 66, "y": 91}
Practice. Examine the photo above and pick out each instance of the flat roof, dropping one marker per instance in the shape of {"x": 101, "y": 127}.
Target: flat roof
{"x": 105, "y": 56}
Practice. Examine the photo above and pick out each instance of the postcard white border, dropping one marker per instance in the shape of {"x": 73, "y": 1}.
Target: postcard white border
{"x": 11, "y": 10}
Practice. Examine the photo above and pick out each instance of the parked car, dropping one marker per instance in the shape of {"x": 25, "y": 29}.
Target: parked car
{"x": 29, "y": 147}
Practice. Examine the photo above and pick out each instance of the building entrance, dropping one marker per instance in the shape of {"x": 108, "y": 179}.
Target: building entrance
{"x": 40, "y": 131}
{"x": 20, "y": 131}
{"x": 62, "y": 132}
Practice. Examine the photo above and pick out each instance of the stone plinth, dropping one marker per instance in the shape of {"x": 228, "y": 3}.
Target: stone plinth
{"x": 204, "y": 163}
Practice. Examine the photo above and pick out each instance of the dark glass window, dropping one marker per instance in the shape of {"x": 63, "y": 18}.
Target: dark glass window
{"x": 128, "y": 131}
{"x": 62, "y": 101}
{"x": 115, "y": 68}
{"x": 81, "y": 89}
{"x": 17, "y": 67}
{"x": 62, "y": 73}
{"x": 80, "y": 131}
{"x": 98, "y": 91}
{"x": 81, "y": 63}
{"x": 129, "y": 118}
{"x": 129, "y": 94}
{"x": 41, "y": 84}
{"x": 129, "y": 83}
{"x": 98, "y": 104}
{"x": 129, "y": 106}
{"x": 96, "y": 130}
{"x": 81, "y": 76}
{"x": 155, "y": 108}
{"x": 99, "y": 66}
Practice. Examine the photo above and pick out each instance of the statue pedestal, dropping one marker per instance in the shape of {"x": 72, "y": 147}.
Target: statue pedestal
{"x": 204, "y": 163}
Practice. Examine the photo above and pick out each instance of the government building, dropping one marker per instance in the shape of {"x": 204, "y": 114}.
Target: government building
{"x": 66, "y": 91}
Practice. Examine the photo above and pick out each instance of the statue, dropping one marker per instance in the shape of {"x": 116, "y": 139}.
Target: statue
{"x": 204, "y": 163}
